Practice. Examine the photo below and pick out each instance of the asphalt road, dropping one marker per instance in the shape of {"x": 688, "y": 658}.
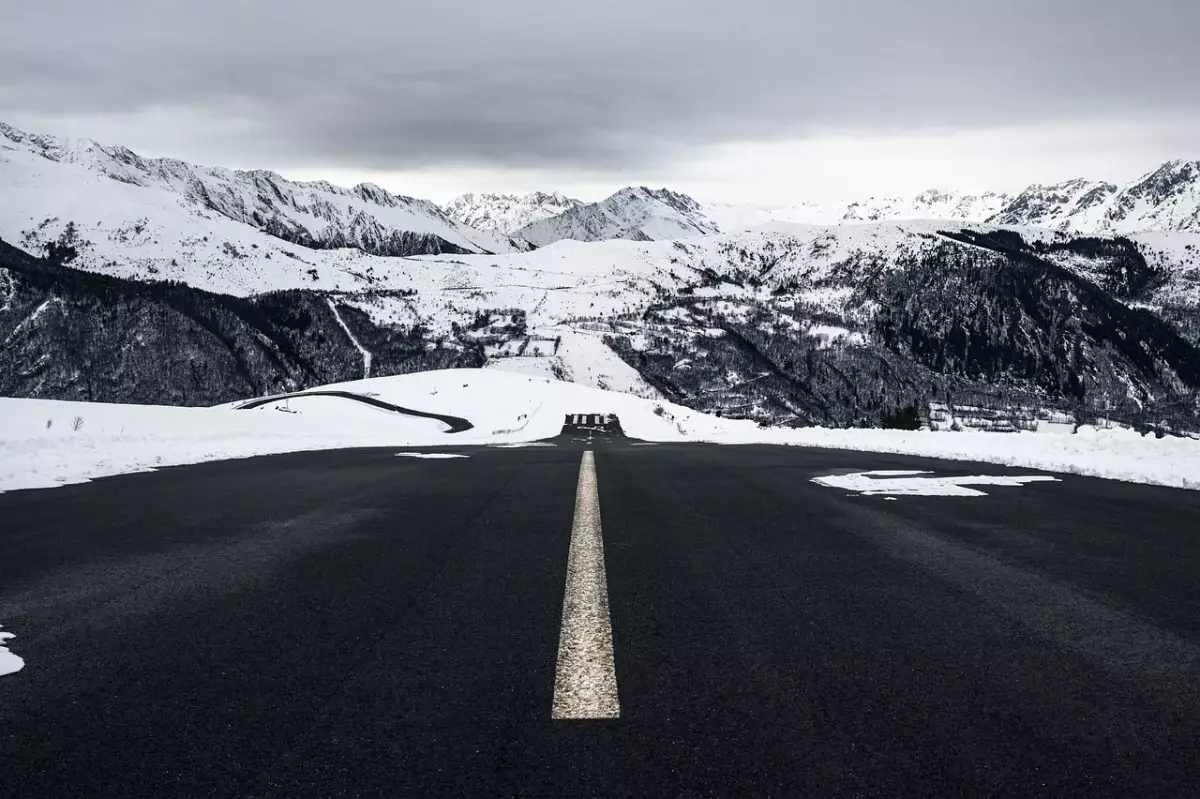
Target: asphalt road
{"x": 356, "y": 623}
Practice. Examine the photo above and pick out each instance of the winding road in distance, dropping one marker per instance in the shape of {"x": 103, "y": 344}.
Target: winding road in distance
{"x": 455, "y": 423}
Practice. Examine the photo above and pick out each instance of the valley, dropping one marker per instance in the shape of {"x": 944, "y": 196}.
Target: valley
{"x": 149, "y": 280}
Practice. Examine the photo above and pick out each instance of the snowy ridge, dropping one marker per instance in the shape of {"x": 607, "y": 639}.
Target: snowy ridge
{"x": 634, "y": 213}
{"x": 929, "y": 204}
{"x": 314, "y": 214}
{"x": 1079, "y": 202}
{"x": 1165, "y": 199}
{"x": 561, "y": 282}
{"x": 641, "y": 214}
{"x": 508, "y": 213}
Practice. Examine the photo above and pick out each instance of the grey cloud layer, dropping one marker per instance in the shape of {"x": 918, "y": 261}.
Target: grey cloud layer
{"x": 387, "y": 85}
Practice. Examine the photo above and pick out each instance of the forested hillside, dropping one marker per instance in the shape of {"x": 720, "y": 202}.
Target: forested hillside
{"x": 69, "y": 334}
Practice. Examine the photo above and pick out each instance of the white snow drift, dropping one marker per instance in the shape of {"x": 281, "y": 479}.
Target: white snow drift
{"x": 48, "y": 443}
{"x": 9, "y": 663}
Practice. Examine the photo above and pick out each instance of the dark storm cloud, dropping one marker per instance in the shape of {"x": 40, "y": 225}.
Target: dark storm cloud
{"x": 391, "y": 84}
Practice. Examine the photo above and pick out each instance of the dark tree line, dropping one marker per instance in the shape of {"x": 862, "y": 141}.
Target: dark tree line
{"x": 102, "y": 338}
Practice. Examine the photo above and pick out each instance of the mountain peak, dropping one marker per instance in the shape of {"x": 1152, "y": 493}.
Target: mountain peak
{"x": 677, "y": 200}
{"x": 314, "y": 214}
{"x": 934, "y": 195}
{"x": 550, "y": 197}
{"x": 507, "y": 213}
{"x": 1171, "y": 173}
{"x": 1167, "y": 198}
{"x": 636, "y": 213}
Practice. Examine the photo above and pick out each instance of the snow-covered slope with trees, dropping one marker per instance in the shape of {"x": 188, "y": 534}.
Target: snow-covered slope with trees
{"x": 38, "y": 172}
{"x": 508, "y": 213}
{"x": 796, "y": 323}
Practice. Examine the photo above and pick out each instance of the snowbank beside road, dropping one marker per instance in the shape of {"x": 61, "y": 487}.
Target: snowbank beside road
{"x": 1115, "y": 454}
{"x": 47, "y": 442}
{"x": 41, "y": 444}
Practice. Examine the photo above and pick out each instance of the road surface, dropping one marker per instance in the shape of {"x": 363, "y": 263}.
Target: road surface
{"x": 357, "y": 623}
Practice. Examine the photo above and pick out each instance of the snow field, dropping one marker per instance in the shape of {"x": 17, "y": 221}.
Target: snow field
{"x": 506, "y": 408}
{"x": 1116, "y": 454}
{"x": 41, "y": 445}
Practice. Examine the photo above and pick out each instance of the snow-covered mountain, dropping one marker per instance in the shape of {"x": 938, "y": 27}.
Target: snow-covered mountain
{"x": 1166, "y": 199}
{"x": 642, "y": 214}
{"x": 1073, "y": 204}
{"x": 838, "y": 325}
{"x": 842, "y": 324}
{"x": 929, "y": 204}
{"x": 48, "y": 182}
{"x": 507, "y": 213}
{"x": 634, "y": 213}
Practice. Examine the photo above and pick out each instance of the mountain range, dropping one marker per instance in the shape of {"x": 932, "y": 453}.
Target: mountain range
{"x": 152, "y": 280}
{"x": 1166, "y": 199}
{"x": 315, "y": 215}
{"x": 635, "y": 213}
{"x": 508, "y": 213}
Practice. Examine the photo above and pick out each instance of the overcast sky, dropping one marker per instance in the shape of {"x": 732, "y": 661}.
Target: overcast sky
{"x": 745, "y": 100}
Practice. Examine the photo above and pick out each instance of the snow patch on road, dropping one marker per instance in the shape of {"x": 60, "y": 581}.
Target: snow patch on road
{"x": 9, "y": 663}
{"x": 915, "y": 484}
{"x": 429, "y": 455}
{"x": 1114, "y": 454}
